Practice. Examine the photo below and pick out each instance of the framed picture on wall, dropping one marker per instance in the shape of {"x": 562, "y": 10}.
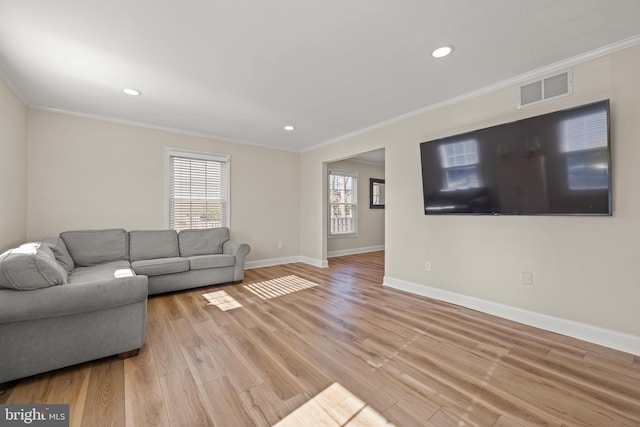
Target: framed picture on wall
{"x": 376, "y": 193}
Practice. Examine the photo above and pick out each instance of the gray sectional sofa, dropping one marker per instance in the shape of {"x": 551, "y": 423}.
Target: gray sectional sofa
{"x": 83, "y": 295}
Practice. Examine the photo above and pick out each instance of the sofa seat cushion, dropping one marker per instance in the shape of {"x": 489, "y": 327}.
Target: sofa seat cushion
{"x": 93, "y": 247}
{"x": 150, "y": 244}
{"x": 158, "y": 266}
{"x": 31, "y": 266}
{"x": 109, "y": 270}
{"x": 200, "y": 262}
{"x": 207, "y": 241}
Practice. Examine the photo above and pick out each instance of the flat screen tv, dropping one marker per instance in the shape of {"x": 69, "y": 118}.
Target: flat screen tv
{"x": 554, "y": 164}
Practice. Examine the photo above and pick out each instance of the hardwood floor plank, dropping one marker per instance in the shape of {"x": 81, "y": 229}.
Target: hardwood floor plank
{"x": 185, "y": 406}
{"x": 440, "y": 392}
{"x": 333, "y": 364}
{"x": 219, "y": 317}
{"x": 284, "y": 384}
{"x": 399, "y": 415}
{"x": 609, "y": 364}
{"x": 195, "y": 304}
{"x": 310, "y": 414}
{"x": 413, "y": 402}
{"x": 569, "y": 409}
{"x": 368, "y": 417}
{"x": 266, "y": 409}
{"x": 470, "y": 377}
{"x": 235, "y": 365}
{"x": 617, "y": 377}
{"x": 310, "y": 376}
{"x": 70, "y": 386}
{"x": 521, "y": 387}
{"x": 64, "y": 386}
{"x": 224, "y": 404}
{"x": 505, "y": 421}
{"x": 155, "y": 309}
{"x": 166, "y": 351}
{"x": 173, "y": 306}
{"x": 29, "y": 390}
{"x": 144, "y": 403}
{"x": 446, "y": 417}
{"x": 104, "y": 405}
{"x": 241, "y": 317}
{"x": 608, "y": 399}
{"x": 201, "y": 362}
{"x": 266, "y": 315}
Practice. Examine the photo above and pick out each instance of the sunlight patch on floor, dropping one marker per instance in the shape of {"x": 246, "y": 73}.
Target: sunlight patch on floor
{"x": 222, "y": 300}
{"x": 334, "y": 406}
{"x": 278, "y": 287}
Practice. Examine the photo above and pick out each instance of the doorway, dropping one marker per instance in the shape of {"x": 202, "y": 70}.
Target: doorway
{"x": 356, "y": 204}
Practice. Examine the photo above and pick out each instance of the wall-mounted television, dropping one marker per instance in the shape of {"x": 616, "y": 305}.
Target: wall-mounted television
{"x": 553, "y": 164}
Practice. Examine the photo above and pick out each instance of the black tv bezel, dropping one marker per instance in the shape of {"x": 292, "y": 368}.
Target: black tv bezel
{"x": 607, "y": 104}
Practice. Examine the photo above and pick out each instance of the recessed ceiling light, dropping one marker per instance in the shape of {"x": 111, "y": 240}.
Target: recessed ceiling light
{"x": 289, "y": 128}
{"x": 132, "y": 92}
{"x": 441, "y": 52}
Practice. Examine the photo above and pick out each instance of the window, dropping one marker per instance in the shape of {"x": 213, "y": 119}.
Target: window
{"x": 585, "y": 132}
{"x": 460, "y": 161}
{"x": 585, "y": 143}
{"x": 198, "y": 189}
{"x": 343, "y": 206}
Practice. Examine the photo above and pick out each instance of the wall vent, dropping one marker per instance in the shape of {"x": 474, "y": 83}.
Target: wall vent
{"x": 545, "y": 89}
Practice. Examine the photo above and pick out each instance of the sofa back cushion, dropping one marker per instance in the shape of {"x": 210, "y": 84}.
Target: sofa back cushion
{"x": 31, "y": 266}
{"x": 202, "y": 241}
{"x": 61, "y": 252}
{"x": 93, "y": 247}
{"x": 153, "y": 244}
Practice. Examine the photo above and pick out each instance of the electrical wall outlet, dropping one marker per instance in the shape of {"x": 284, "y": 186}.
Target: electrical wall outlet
{"x": 527, "y": 278}
{"x": 427, "y": 266}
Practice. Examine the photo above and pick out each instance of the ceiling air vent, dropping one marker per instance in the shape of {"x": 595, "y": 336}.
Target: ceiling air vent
{"x": 545, "y": 89}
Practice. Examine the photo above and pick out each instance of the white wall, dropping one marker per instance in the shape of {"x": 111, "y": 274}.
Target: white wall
{"x": 13, "y": 169}
{"x": 585, "y": 269}
{"x": 370, "y": 221}
{"x": 86, "y": 173}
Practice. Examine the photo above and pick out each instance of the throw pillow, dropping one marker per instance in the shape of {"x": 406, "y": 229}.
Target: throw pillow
{"x": 60, "y": 252}
{"x": 31, "y": 266}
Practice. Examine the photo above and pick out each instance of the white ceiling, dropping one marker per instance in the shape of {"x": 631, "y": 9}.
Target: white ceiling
{"x": 242, "y": 69}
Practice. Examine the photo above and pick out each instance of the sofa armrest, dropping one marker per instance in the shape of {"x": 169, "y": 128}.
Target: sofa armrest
{"x": 233, "y": 247}
{"x": 71, "y": 298}
{"x": 240, "y": 251}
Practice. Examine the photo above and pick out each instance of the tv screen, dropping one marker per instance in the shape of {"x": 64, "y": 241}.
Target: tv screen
{"x": 553, "y": 164}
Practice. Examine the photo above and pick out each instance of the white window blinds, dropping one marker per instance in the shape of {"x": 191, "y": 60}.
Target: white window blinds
{"x": 586, "y": 132}
{"x": 198, "y": 190}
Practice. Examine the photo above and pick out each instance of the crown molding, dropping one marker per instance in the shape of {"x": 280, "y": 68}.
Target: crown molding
{"x": 156, "y": 127}
{"x": 9, "y": 82}
{"x": 531, "y": 75}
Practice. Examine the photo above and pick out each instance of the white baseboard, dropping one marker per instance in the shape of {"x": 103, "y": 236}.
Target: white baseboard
{"x": 344, "y": 252}
{"x": 285, "y": 260}
{"x": 594, "y": 334}
{"x": 270, "y": 262}
{"x": 315, "y": 262}
{"x": 311, "y": 261}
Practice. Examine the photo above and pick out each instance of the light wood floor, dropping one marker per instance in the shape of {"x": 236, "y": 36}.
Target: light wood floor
{"x": 340, "y": 349}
